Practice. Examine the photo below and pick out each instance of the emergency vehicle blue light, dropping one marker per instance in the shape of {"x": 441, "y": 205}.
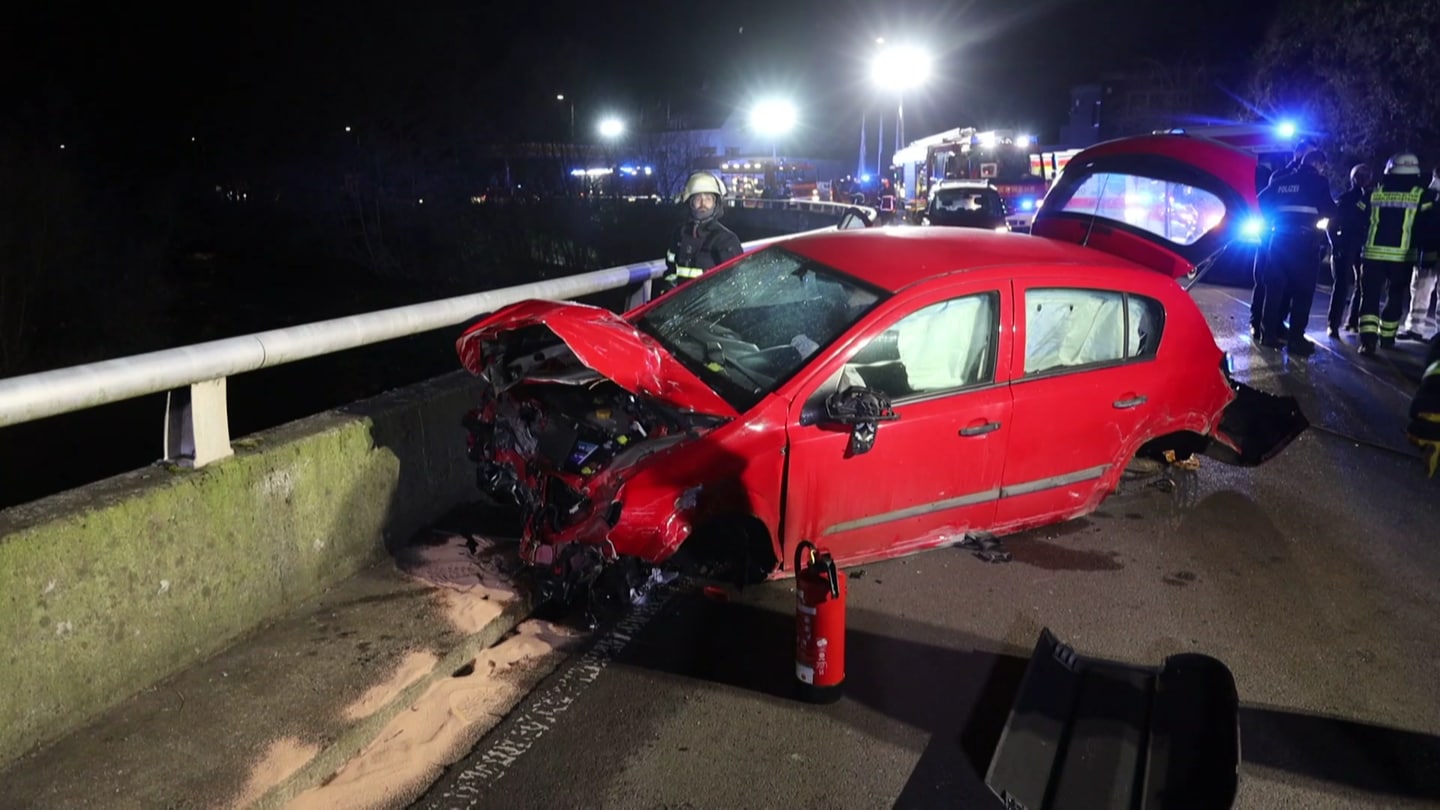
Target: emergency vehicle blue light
{"x": 1250, "y": 231}
{"x": 1027, "y": 204}
{"x": 1285, "y": 129}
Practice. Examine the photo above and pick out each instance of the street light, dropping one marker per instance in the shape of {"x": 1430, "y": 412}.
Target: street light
{"x": 561, "y": 97}
{"x": 773, "y": 117}
{"x": 898, "y": 68}
{"x": 611, "y": 127}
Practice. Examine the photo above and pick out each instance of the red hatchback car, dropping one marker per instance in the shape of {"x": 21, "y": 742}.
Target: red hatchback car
{"x": 878, "y": 391}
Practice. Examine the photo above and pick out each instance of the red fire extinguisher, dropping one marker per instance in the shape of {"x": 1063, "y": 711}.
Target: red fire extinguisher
{"x": 819, "y": 625}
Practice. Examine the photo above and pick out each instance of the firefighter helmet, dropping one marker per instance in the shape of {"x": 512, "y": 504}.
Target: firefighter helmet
{"x": 1403, "y": 163}
{"x": 703, "y": 183}
{"x": 1360, "y": 174}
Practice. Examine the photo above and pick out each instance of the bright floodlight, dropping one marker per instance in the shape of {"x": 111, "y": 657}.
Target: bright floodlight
{"x": 773, "y": 117}
{"x": 1286, "y": 129}
{"x": 901, "y": 67}
{"x": 611, "y": 128}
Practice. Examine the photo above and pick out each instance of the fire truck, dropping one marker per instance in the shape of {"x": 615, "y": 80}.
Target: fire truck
{"x": 1003, "y": 157}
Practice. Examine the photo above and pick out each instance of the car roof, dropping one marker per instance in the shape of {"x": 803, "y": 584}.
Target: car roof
{"x": 895, "y": 258}
{"x": 972, "y": 184}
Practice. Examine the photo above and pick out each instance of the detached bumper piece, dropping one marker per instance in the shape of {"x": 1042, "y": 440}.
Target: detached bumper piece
{"x": 1256, "y": 426}
{"x": 1099, "y": 735}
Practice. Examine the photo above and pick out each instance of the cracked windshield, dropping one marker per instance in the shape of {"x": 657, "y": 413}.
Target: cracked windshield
{"x": 747, "y": 330}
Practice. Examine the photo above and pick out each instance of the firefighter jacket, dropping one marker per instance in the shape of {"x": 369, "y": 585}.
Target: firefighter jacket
{"x": 1402, "y": 219}
{"x": 699, "y": 246}
{"x": 1351, "y": 222}
{"x": 1297, "y": 201}
{"x": 1424, "y": 427}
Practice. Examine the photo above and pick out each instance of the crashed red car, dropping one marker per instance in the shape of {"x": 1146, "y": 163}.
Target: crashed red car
{"x": 879, "y": 391}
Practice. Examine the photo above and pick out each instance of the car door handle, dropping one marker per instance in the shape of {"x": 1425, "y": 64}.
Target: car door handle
{"x": 1130, "y": 402}
{"x": 979, "y": 428}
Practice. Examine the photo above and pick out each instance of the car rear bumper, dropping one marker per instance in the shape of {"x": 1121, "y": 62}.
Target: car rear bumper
{"x": 1086, "y": 732}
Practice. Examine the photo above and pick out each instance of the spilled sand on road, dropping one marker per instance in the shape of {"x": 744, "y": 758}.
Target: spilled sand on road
{"x": 472, "y": 580}
{"x": 413, "y": 667}
{"x": 284, "y": 757}
{"x": 414, "y": 748}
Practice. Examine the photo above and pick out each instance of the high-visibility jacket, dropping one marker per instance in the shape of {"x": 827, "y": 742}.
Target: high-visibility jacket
{"x": 1402, "y": 219}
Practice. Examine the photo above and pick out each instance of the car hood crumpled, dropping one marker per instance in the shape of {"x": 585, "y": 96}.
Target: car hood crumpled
{"x": 603, "y": 342}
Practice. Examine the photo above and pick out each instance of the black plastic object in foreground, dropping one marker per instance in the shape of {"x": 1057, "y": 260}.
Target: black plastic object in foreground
{"x": 1093, "y": 734}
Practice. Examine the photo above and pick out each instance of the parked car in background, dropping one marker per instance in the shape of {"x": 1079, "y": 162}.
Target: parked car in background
{"x": 966, "y": 204}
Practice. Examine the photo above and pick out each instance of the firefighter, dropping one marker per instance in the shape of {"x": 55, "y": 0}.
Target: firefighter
{"x": 700, "y": 242}
{"x": 1418, "y": 324}
{"x": 1294, "y": 206}
{"x": 1347, "y": 234}
{"x": 1402, "y": 218}
{"x": 1424, "y": 428}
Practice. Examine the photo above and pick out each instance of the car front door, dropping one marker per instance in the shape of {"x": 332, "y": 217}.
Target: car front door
{"x": 1085, "y": 388}
{"x": 933, "y": 472}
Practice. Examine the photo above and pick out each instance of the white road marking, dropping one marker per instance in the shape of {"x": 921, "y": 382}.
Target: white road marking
{"x": 542, "y": 712}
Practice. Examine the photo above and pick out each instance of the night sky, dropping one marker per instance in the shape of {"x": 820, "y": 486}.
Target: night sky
{"x": 279, "y": 78}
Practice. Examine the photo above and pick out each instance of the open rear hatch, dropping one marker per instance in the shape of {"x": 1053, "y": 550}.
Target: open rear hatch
{"x": 1169, "y": 202}
{"x": 1091, "y": 734}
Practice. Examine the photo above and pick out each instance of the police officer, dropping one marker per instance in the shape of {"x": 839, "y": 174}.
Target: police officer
{"x": 1294, "y": 205}
{"x": 1424, "y": 427}
{"x": 1402, "y": 218}
{"x": 700, "y": 242}
{"x": 1262, "y": 178}
{"x": 1347, "y": 234}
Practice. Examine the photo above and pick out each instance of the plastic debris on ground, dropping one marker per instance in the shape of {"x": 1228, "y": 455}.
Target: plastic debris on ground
{"x": 987, "y": 547}
{"x": 640, "y": 594}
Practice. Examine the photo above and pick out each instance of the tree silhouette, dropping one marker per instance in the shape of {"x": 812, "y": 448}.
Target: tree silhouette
{"x": 1362, "y": 74}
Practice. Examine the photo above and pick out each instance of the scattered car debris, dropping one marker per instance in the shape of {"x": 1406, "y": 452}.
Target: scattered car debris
{"x": 1190, "y": 462}
{"x": 986, "y": 546}
{"x": 640, "y": 594}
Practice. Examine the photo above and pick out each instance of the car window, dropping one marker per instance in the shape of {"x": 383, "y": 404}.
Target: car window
{"x": 1067, "y": 328}
{"x": 1146, "y": 320}
{"x": 942, "y": 347}
{"x": 966, "y": 200}
{"x": 1178, "y": 212}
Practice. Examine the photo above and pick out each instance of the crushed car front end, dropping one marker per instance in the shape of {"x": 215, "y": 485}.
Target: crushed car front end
{"x": 563, "y": 442}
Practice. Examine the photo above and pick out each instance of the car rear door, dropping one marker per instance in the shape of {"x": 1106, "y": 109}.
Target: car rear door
{"x": 1085, "y": 388}
{"x": 1169, "y": 202}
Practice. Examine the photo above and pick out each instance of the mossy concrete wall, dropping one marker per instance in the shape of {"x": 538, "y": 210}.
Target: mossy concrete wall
{"x": 108, "y": 589}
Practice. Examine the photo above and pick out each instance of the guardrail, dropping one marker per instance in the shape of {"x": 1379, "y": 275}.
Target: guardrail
{"x": 198, "y": 433}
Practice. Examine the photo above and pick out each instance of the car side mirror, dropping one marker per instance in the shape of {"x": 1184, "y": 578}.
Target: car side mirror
{"x": 862, "y": 409}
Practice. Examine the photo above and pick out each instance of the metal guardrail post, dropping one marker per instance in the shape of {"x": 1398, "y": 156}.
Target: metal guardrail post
{"x": 197, "y": 424}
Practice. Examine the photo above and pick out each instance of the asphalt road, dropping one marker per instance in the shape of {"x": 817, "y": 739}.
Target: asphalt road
{"x": 1313, "y": 578}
